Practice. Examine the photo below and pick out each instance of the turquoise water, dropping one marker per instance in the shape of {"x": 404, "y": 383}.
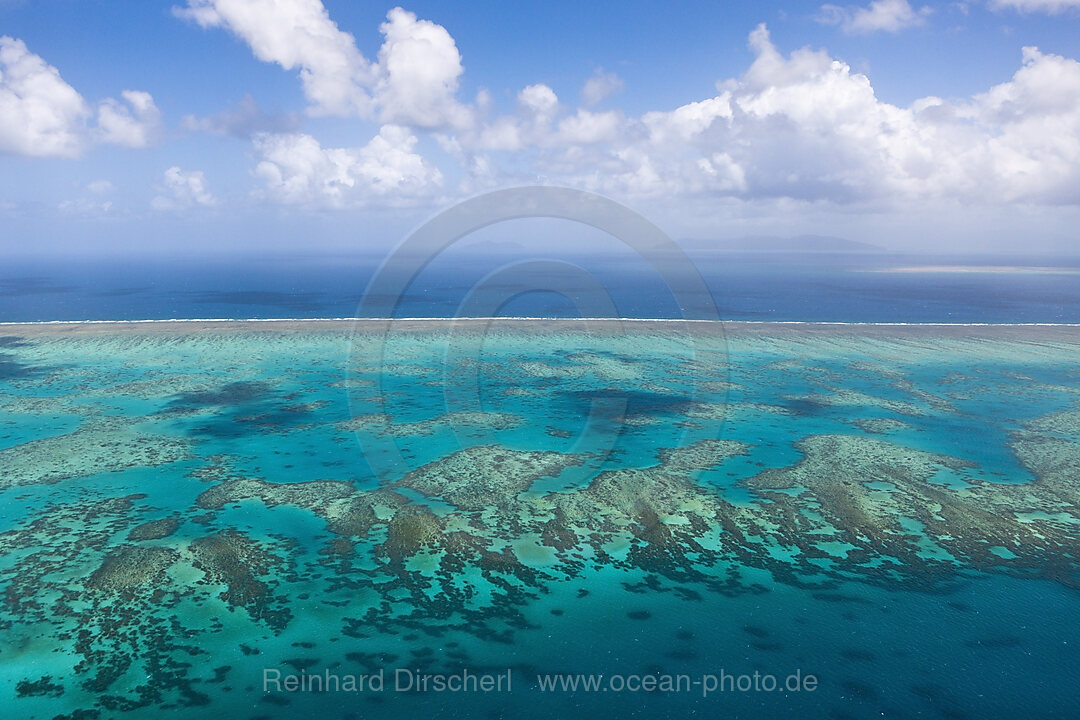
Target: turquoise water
{"x": 184, "y": 509}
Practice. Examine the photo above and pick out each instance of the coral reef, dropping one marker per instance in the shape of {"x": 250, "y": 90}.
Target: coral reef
{"x": 486, "y": 476}
{"x": 103, "y": 445}
{"x": 382, "y": 424}
{"x": 825, "y": 458}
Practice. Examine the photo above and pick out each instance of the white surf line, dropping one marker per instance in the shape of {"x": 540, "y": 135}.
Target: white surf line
{"x": 842, "y": 323}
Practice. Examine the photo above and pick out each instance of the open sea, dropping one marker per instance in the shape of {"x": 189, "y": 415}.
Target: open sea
{"x": 763, "y": 287}
{"x": 849, "y": 514}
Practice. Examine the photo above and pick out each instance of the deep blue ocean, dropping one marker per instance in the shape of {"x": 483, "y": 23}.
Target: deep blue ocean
{"x": 763, "y": 287}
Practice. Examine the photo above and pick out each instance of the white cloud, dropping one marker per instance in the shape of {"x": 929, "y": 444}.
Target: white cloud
{"x": 135, "y": 124}
{"x": 183, "y": 189}
{"x": 601, "y": 85}
{"x": 538, "y": 105}
{"x": 802, "y": 126}
{"x": 886, "y": 15}
{"x": 806, "y": 127}
{"x": 1018, "y": 142}
{"x": 413, "y": 83}
{"x": 296, "y": 34}
{"x": 1053, "y": 7}
{"x": 505, "y": 133}
{"x": 419, "y": 68}
{"x": 40, "y": 114}
{"x": 688, "y": 121}
{"x": 539, "y": 101}
{"x": 587, "y": 127}
{"x": 295, "y": 169}
{"x": 1032, "y": 151}
{"x": 536, "y": 125}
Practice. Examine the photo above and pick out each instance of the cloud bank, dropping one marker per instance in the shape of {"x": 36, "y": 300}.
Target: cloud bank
{"x": 795, "y": 126}
{"x": 800, "y": 126}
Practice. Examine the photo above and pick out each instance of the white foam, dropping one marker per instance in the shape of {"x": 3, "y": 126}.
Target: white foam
{"x": 524, "y": 317}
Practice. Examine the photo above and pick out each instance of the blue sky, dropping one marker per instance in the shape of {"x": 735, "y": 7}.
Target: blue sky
{"x": 249, "y": 125}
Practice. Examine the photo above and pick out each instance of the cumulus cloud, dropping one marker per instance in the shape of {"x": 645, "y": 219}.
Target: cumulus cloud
{"x": 413, "y": 82}
{"x": 601, "y": 85}
{"x": 183, "y": 189}
{"x": 805, "y": 126}
{"x": 885, "y": 15}
{"x": 40, "y": 114}
{"x": 1032, "y": 151}
{"x": 532, "y": 125}
{"x": 585, "y": 127}
{"x": 135, "y": 123}
{"x": 539, "y": 100}
{"x": 538, "y": 105}
{"x": 801, "y": 125}
{"x": 295, "y": 169}
{"x": 688, "y": 121}
{"x": 297, "y": 35}
{"x": 1053, "y": 7}
{"x": 242, "y": 120}
{"x": 419, "y": 68}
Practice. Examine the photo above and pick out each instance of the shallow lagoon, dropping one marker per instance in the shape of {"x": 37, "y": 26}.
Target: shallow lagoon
{"x": 892, "y": 509}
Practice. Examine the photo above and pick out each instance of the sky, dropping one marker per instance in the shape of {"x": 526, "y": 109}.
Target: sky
{"x": 134, "y": 126}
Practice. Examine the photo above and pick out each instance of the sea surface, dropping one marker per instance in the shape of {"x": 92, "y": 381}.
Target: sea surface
{"x": 759, "y": 287}
{"x": 764, "y": 517}
{"x": 189, "y": 509}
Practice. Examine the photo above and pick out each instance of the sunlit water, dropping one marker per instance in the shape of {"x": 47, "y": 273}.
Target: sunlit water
{"x": 891, "y": 510}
